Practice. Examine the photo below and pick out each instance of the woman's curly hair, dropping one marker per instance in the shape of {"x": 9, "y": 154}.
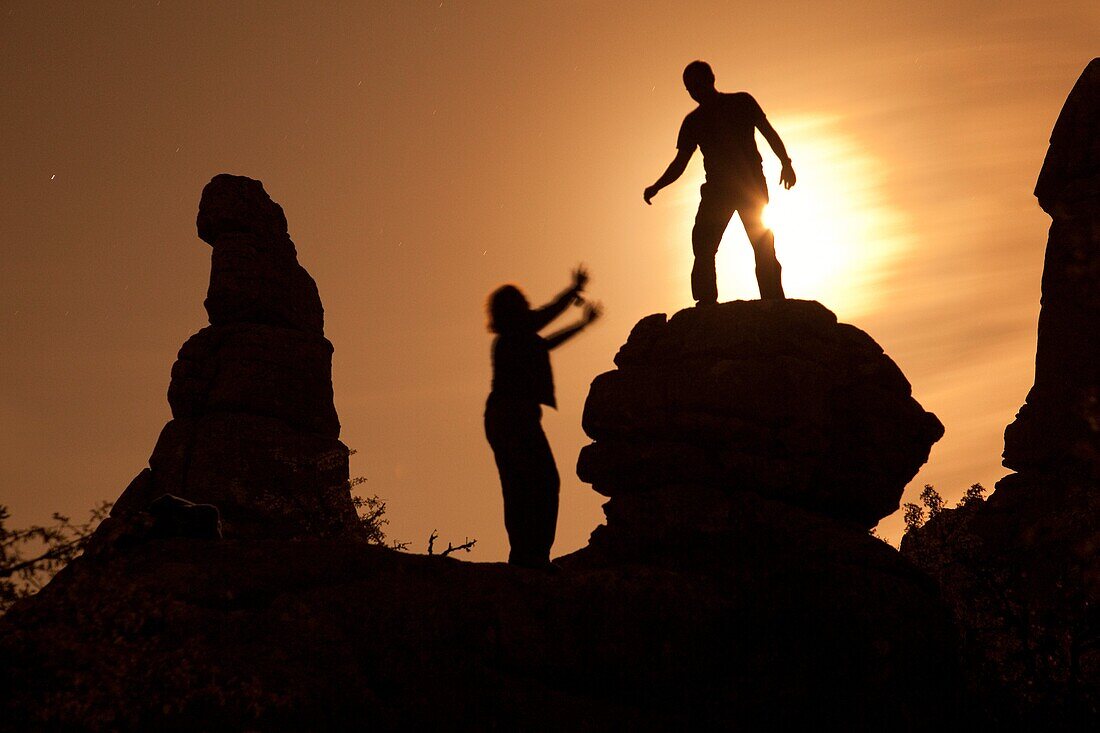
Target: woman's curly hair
{"x": 508, "y": 310}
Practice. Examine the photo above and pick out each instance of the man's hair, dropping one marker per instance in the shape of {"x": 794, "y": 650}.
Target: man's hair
{"x": 699, "y": 71}
{"x": 508, "y": 310}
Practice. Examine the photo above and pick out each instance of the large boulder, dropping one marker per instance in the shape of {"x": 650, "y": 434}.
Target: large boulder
{"x": 774, "y": 397}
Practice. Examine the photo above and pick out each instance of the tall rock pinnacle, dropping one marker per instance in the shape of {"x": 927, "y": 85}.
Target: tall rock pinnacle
{"x": 1021, "y": 571}
{"x": 254, "y": 428}
{"x": 1058, "y": 429}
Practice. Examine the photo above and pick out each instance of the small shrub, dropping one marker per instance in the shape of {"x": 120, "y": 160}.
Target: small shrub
{"x": 30, "y": 557}
{"x": 976, "y": 492}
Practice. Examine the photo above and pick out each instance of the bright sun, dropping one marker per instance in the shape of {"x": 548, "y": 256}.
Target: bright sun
{"x": 835, "y": 234}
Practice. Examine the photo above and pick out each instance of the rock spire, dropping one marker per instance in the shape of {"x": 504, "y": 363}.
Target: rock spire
{"x": 254, "y": 429}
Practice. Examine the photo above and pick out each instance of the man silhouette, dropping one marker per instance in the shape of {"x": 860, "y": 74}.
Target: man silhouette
{"x": 723, "y": 127}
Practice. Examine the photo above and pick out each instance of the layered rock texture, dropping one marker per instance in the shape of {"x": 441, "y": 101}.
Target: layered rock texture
{"x": 774, "y": 397}
{"x": 734, "y": 585}
{"x": 1022, "y": 570}
{"x": 254, "y": 429}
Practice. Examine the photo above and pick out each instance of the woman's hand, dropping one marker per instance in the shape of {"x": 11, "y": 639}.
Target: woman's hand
{"x": 580, "y": 277}
{"x": 592, "y": 311}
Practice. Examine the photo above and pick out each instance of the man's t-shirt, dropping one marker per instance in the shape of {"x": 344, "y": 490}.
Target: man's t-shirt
{"x": 724, "y": 129}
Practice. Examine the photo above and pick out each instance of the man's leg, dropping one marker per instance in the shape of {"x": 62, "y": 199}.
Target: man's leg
{"x": 769, "y": 274}
{"x": 710, "y": 224}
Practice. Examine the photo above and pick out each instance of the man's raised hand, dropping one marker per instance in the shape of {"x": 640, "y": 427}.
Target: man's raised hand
{"x": 787, "y": 177}
{"x": 649, "y": 193}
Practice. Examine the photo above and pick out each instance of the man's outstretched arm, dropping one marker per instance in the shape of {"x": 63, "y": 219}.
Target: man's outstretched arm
{"x": 675, "y": 169}
{"x": 786, "y": 176}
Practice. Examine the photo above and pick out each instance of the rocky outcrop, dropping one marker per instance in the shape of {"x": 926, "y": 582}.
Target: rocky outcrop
{"x": 773, "y": 397}
{"x": 805, "y": 629}
{"x": 254, "y": 429}
{"x": 734, "y": 586}
{"x": 1021, "y": 571}
{"x": 1058, "y": 428}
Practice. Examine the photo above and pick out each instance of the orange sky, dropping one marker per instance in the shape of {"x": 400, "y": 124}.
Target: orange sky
{"x": 425, "y": 152}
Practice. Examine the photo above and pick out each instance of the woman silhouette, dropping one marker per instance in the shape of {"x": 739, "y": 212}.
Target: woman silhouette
{"x": 522, "y": 383}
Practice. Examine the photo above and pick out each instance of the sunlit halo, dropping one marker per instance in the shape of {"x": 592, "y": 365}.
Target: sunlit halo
{"x": 835, "y": 234}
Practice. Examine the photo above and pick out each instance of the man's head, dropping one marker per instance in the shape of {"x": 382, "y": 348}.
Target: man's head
{"x": 699, "y": 80}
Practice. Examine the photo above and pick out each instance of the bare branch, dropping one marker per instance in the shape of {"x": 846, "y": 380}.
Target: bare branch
{"x": 467, "y": 546}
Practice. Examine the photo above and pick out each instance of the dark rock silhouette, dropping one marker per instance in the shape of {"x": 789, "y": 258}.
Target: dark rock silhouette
{"x": 176, "y": 517}
{"x": 699, "y": 606}
{"x": 771, "y": 397}
{"x": 801, "y": 623}
{"x": 254, "y": 429}
{"x": 1022, "y": 570}
{"x": 1058, "y": 429}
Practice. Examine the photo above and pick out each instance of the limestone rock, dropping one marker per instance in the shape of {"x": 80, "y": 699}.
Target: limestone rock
{"x": 1021, "y": 571}
{"x": 253, "y": 285}
{"x": 266, "y": 478}
{"x": 240, "y": 205}
{"x": 255, "y": 276}
{"x": 176, "y": 517}
{"x": 798, "y": 620}
{"x": 257, "y": 370}
{"x": 774, "y": 397}
{"x": 1058, "y": 428}
{"x": 255, "y": 430}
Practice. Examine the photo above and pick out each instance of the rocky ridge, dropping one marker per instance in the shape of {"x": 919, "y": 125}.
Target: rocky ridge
{"x": 700, "y": 605}
{"x": 745, "y": 448}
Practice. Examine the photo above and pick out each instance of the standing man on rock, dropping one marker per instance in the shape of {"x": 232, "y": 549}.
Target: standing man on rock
{"x": 723, "y": 127}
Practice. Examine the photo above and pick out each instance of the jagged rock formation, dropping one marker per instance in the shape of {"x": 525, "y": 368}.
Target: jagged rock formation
{"x": 1058, "y": 429}
{"x": 808, "y": 626}
{"x": 696, "y": 608}
{"x": 1022, "y": 570}
{"x": 774, "y": 397}
{"x": 743, "y": 594}
{"x": 254, "y": 429}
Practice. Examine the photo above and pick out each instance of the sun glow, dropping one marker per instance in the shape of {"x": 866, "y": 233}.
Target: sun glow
{"x": 836, "y": 235}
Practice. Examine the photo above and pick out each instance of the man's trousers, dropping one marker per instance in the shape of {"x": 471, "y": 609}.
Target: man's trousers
{"x": 716, "y": 207}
